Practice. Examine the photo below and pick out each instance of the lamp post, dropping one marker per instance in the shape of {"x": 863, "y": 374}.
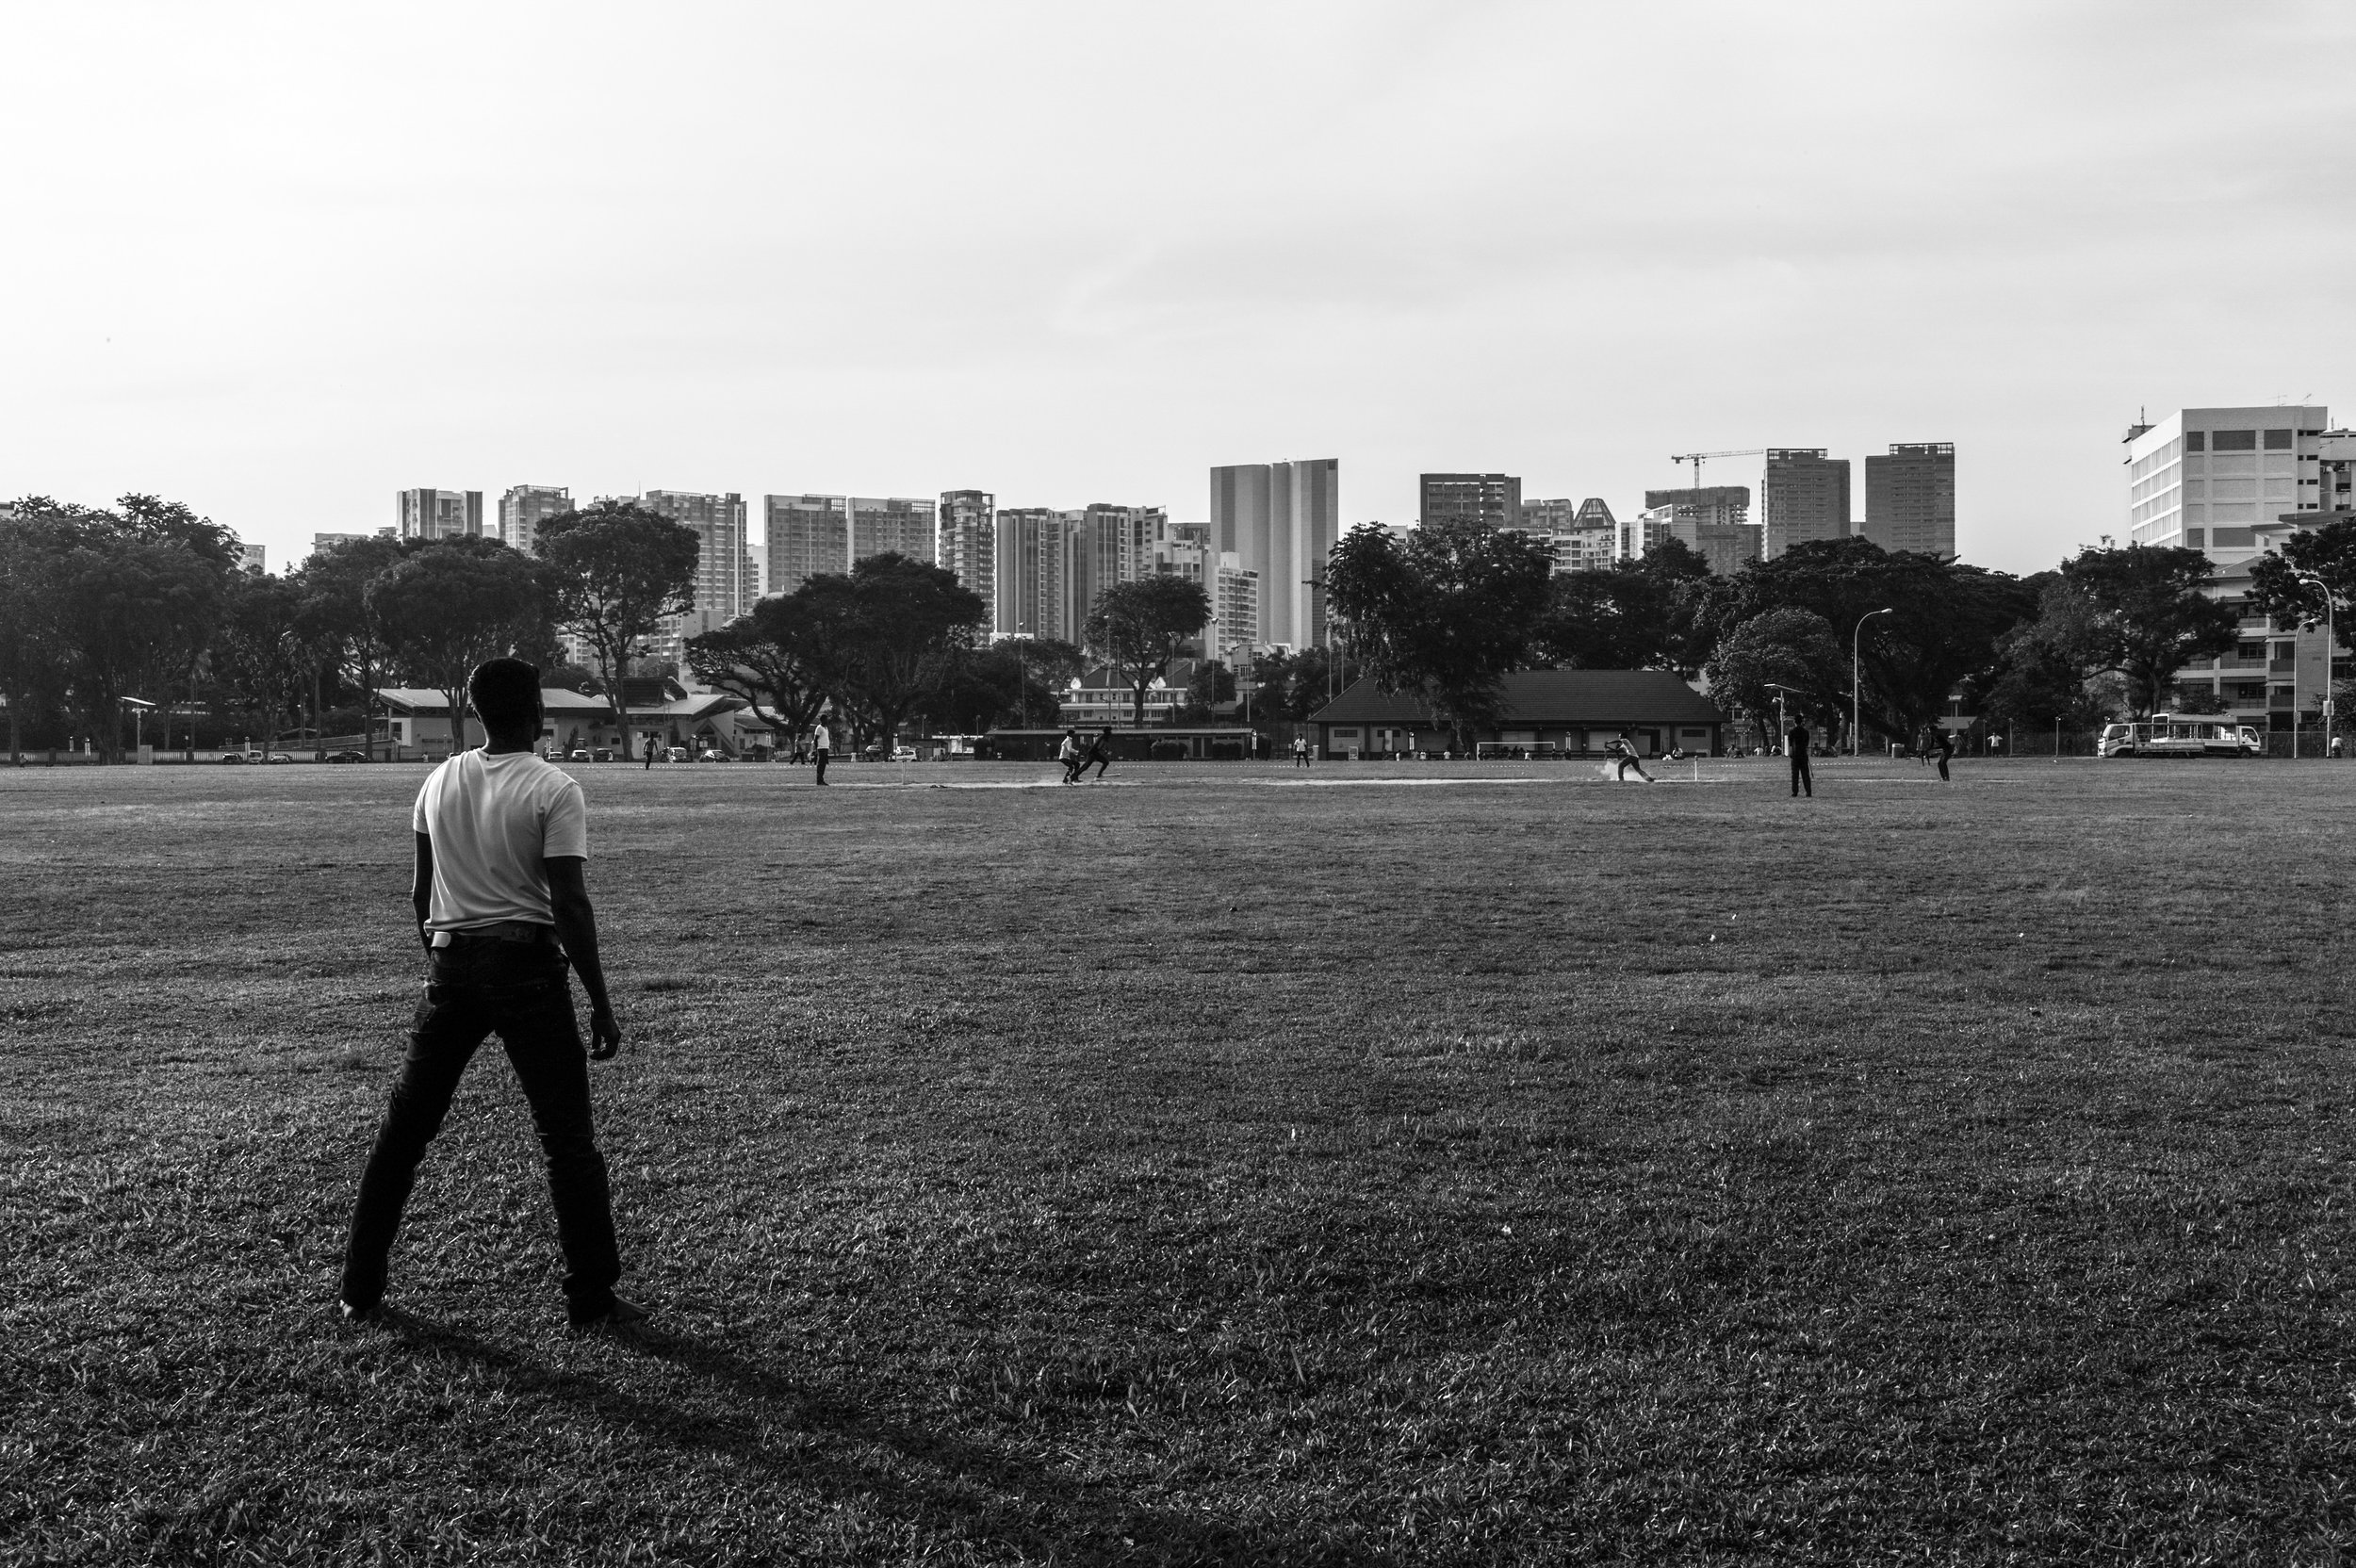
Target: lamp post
{"x": 1783, "y": 728}
{"x": 1857, "y": 688}
{"x": 2331, "y": 641}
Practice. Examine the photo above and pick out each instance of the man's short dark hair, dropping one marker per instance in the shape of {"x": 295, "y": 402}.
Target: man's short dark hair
{"x": 505, "y": 693}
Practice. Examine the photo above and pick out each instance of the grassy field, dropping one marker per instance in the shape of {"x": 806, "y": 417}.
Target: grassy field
{"x": 1418, "y": 1166}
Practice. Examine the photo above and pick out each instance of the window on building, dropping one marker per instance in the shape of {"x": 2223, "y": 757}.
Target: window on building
{"x": 2193, "y": 537}
{"x": 2250, "y": 650}
{"x": 2234, "y": 440}
{"x": 2196, "y": 440}
{"x": 2278, "y": 440}
{"x": 2231, "y": 538}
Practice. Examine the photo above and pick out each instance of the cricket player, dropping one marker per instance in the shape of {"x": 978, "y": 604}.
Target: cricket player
{"x": 502, "y": 907}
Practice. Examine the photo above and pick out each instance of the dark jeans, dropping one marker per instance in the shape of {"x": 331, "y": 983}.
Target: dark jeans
{"x": 1942, "y": 764}
{"x": 821, "y": 767}
{"x": 1801, "y": 778}
{"x": 478, "y": 986}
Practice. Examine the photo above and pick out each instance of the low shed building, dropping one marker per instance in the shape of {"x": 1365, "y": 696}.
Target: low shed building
{"x": 1546, "y": 714}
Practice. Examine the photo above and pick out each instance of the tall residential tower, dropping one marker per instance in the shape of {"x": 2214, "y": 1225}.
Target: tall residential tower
{"x": 1910, "y": 499}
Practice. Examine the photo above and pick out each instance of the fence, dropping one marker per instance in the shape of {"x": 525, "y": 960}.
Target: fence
{"x": 2310, "y": 744}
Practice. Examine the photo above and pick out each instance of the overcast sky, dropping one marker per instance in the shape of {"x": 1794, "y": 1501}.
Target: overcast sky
{"x": 280, "y": 261}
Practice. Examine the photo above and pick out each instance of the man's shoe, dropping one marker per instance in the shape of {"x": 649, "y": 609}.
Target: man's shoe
{"x": 621, "y": 1314}
{"x": 351, "y": 1314}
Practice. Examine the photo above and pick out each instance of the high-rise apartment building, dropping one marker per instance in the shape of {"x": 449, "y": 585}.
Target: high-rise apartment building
{"x": 440, "y": 514}
{"x": 1031, "y": 573}
{"x": 1705, "y": 503}
{"x": 1281, "y": 520}
{"x": 965, "y": 540}
{"x": 1911, "y": 498}
{"x": 803, "y": 535}
{"x": 525, "y": 507}
{"x": 891, "y": 525}
{"x": 1493, "y": 500}
{"x": 1234, "y": 605}
{"x": 726, "y": 579}
{"x": 253, "y": 558}
{"x": 1639, "y": 533}
{"x": 1590, "y": 541}
{"x": 2206, "y": 478}
{"x": 1713, "y": 520}
{"x": 1805, "y": 497}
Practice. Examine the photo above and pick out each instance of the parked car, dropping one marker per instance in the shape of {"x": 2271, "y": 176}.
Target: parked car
{"x": 232, "y": 756}
{"x": 712, "y": 754}
{"x": 580, "y": 754}
{"x": 603, "y": 754}
{"x": 347, "y": 756}
{"x": 904, "y": 754}
{"x": 278, "y": 756}
{"x": 675, "y": 754}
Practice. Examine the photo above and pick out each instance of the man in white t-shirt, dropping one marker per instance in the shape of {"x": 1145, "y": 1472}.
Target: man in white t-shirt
{"x": 501, "y": 838}
{"x": 821, "y": 747}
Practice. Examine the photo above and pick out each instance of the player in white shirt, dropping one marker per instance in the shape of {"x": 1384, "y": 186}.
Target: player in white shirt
{"x": 502, "y": 839}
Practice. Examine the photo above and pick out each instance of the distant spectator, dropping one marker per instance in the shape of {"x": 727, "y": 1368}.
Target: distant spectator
{"x": 1301, "y": 751}
{"x": 649, "y": 767}
{"x": 821, "y": 747}
{"x": 1796, "y": 743}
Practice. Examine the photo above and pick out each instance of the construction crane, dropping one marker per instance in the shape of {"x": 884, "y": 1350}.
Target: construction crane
{"x": 1696, "y": 459}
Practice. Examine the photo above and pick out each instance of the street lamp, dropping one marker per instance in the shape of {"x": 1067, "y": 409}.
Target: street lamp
{"x": 1857, "y": 645}
{"x": 1783, "y": 728}
{"x": 2331, "y": 641}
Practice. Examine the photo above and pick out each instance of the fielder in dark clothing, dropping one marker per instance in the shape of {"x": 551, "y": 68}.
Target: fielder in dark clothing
{"x": 501, "y": 838}
{"x": 1946, "y": 745}
{"x": 1099, "y": 753}
{"x": 1795, "y": 743}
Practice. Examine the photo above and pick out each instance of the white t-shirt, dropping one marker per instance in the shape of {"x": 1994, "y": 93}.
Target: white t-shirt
{"x": 493, "y": 819}
{"x": 820, "y": 740}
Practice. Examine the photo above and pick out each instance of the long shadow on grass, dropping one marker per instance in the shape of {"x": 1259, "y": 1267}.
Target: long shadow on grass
{"x": 927, "y": 1479}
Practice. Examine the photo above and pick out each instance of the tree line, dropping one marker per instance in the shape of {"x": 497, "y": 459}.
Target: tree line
{"x": 1444, "y": 612}
{"x": 148, "y": 602}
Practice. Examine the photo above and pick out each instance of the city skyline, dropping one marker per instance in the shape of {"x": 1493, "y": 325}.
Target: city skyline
{"x": 269, "y": 281}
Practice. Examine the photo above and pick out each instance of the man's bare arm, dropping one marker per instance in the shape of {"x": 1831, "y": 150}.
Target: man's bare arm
{"x": 577, "y": 928}
{"x": 421, "y": 889}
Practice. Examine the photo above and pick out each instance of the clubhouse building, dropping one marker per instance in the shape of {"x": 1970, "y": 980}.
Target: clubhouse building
{"x": 1544, "y": 714}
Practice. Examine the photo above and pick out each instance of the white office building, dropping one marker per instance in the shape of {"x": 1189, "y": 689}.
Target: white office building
{"x": 2205, "y": 479}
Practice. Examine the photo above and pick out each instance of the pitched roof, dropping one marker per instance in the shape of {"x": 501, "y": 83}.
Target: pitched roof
{"x": 1584, "y": 699}
{"x": 424, "y": 701}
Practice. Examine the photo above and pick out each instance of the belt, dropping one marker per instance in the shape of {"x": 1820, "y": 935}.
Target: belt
{"x": 522, "y": 931}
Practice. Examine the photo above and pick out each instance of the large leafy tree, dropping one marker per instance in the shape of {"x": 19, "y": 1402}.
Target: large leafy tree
{"x": 2044, "y": 674}
{"x": 1941, "y": 631}
{"x": 1647, "y": 614}
{"x": 2328, "y": 553}
{"x": 774, "y": 658}
{"x": 449, "y": 606}
{"x": 889, "y": 633}
{"x": 337, "y": 621}
{"x": 2144, "y": 612}
{"x": 1788, "y": 654}
{"x": 260, "y": 659}
{"x": 1139, "y": 628}
{"x": 132, "y": 598}
{"x": 1442, "y": 614}
{"x": 618, "y": 572}
{"x": 32, "y": 674}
